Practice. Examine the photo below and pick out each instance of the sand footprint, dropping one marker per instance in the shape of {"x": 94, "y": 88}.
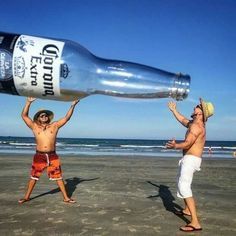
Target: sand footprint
{"x": 127, "y": 210}
{"x": 102, "y": 212}
{"x": 117, "y": 218}
{"x": 132, "y": 229}
{"x": 86, "y": 221}
{"x": 59, "y": 210}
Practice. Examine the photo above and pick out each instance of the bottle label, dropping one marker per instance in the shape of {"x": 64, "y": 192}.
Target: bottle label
{"x": 36, "y": 66}
{"x": 7, "y": 42}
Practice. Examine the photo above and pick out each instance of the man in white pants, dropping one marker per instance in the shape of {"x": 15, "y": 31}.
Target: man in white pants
{"x": 192, "y": 147}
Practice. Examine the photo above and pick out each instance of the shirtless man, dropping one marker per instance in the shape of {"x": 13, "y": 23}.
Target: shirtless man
{"x": 192, "y": 147}
{"x": 45, "y": 134}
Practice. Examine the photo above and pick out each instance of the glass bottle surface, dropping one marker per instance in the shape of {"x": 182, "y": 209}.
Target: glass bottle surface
{"x": 89, "y": 74}
{"x": 64, "y": 70}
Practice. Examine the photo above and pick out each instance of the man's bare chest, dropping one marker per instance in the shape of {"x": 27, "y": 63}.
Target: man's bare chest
{"x": 45, "y": 131}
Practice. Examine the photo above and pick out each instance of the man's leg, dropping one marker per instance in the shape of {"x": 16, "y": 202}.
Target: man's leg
{"x": 31, "y": 185}
{"x": 187, "y": 169}
{"x": 54, "y": 173}
{"x": 190, "y": 203}
{"x": 61, "y": 185}
{"x": 186, "y": 209}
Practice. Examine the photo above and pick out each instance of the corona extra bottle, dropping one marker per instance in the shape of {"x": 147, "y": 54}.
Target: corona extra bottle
{"x": 63, "y": 70}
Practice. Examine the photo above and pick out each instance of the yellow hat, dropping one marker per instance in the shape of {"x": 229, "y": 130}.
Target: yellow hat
{"x": 207, "y": 109}
{"x": 49, "y": 113}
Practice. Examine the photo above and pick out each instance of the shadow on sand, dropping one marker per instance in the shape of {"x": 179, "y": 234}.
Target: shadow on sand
{"x": 168, "y": 200}
{"x": 70, "y": 185}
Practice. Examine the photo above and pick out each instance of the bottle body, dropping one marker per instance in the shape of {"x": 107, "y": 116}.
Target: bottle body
{"x": 64, "y": 70}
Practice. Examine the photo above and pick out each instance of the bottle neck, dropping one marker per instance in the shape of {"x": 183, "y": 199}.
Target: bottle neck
{"x": 126, "y": 79}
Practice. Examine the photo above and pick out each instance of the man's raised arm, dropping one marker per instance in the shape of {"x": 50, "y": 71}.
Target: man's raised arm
{"x": 25, "y": 112}
{"x": 182, "y": 119}
{"x": 68, "y": 115}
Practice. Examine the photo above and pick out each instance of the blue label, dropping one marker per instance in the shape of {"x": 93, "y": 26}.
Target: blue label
{"x": 7, "y": 42}
{"x": 5, "y": 64}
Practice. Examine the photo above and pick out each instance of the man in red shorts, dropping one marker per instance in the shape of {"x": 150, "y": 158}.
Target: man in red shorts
{"x": 45, "y": 134}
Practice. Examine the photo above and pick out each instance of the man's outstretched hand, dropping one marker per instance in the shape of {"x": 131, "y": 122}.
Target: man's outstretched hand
{"x": 75, "y": 102}
{"x": 171, "y": 144}
{"x": 31, "y": 99}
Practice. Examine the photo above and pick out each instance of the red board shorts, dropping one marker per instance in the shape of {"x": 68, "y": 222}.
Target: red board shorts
{"x": 49, "y": 160}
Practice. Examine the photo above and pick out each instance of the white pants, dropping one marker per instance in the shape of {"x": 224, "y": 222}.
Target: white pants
{"x": 187, "y": 166}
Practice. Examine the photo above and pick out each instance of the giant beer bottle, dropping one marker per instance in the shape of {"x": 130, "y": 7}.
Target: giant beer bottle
{"x": 64, "y": 70}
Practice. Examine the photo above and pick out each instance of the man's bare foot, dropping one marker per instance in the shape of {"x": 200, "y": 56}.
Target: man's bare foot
{"x": 69, "y": 200}
{"x": 23, "y": 200}
{"x": 190, "y": 228}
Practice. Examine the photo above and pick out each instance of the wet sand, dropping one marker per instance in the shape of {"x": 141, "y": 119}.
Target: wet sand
{"x": 117, "y": 196}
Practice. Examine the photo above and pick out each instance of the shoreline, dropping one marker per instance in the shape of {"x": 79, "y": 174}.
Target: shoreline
{"x": 117, "y": 147}
{"x": 126, "y": 195}
{"x": 121, "y": 155}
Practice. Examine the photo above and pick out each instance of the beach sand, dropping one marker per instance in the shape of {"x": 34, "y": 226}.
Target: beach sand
{"x": 117, "y": 196}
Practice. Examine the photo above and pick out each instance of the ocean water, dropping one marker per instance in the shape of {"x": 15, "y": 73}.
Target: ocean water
{"x": 76, "y": 146}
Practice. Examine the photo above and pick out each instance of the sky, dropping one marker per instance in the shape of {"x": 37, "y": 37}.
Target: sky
{"x": 192, "y": 37}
